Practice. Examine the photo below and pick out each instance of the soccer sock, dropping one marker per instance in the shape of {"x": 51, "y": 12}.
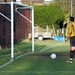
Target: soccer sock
{"x": 74, "y": 51}
{"x": 71, "y": 55}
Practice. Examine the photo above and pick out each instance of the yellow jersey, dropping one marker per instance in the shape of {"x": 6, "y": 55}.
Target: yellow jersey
{"x": 71, "y": 29}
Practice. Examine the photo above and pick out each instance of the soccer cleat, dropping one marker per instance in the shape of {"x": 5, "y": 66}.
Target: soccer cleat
{"x": 69, "y": 61}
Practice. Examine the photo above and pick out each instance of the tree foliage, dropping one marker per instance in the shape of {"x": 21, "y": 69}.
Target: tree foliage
{"x": 48, "y": 15}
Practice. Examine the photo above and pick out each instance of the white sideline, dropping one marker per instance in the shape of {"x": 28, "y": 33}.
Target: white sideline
{"x": 27, "y": 54}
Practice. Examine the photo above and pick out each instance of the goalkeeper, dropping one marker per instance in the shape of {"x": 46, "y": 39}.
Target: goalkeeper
{"x": 71, "y": 36}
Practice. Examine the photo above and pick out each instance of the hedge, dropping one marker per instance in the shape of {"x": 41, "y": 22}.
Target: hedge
{"x": 48, "y": 15}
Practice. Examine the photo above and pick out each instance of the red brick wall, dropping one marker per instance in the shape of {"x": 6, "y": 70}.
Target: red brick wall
{"x": 1, "y": 24}
{"x": 21, "y": 25}
{"x": 8, "y": 24}
{"x": 5, "y": 25}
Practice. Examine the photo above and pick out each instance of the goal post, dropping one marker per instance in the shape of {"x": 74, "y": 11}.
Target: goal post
{"x": 12, "y": 31}
{"x": 12, "y": 25}
{"x": 10, "y": 17}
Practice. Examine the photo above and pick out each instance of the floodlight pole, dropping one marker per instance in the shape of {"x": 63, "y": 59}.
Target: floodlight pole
{"x": 12, "y": 30}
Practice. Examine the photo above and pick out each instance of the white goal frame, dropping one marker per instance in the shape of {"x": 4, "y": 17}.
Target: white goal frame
{"x": 12, "y": 23}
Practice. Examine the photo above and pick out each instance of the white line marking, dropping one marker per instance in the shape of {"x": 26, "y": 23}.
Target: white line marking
{"x": 7, "y": 63}
{"x": 23, "y": 55}
{"x": 39, "y": 72}
{"x": 13, "y": 59}
{"x": 50, "y": 47}
{"x": 27, "y": 54}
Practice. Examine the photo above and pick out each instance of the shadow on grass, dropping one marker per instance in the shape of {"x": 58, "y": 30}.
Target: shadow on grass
{"x": 38, "y": 47}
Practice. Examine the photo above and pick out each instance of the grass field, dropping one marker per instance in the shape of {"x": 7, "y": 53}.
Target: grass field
{"x": 39, "y": 62}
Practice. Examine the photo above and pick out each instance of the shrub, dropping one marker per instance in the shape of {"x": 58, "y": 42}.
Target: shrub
{"x": 48, "y": 15}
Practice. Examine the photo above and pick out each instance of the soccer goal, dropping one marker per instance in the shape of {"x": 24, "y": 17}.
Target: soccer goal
{"x": 20, "y": 20}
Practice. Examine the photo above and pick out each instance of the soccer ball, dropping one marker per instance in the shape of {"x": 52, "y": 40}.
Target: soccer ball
{"x": 53, "y": 55}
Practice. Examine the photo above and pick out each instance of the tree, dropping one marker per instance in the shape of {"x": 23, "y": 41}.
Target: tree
{"x": 48, "y": 15}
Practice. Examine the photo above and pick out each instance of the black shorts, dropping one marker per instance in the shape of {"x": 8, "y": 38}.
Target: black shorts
{"x": 72, "y": 41}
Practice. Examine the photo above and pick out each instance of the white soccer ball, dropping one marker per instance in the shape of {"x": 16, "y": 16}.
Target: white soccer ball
{"x": 53, "y": 55}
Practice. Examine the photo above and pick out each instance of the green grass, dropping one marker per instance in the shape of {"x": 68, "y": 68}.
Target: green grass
{"x": 19, "y": 49}
{"x": 40, "y": 63}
